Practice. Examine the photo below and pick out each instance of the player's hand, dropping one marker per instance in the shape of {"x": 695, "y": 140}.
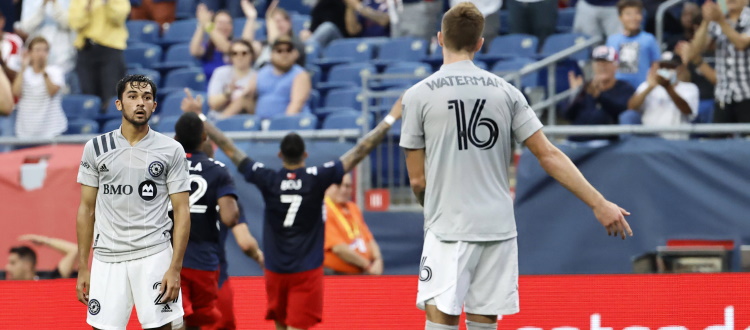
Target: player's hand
{"x": 170, "y": 286}
{"x": 36, "y": 239}
{"x": 376, "y": 268}
{"x": 83, "y": 285}
{"x": 259, "y": 258}
{"x": 190, "y": 103}
{"x": 612, "y": 217}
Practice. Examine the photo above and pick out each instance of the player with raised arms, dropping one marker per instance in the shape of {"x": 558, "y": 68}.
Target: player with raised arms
{"x": 456, "y": 131}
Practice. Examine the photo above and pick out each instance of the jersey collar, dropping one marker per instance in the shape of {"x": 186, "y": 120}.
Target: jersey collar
{"x": 149, "y": 135}
{"x": 460, "y": 65}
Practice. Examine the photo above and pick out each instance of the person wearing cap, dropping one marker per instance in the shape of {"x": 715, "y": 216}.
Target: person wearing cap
{"x": 282, "y": 88}
{"x": 601, "y": 100}
{"x": 663, "y": 100}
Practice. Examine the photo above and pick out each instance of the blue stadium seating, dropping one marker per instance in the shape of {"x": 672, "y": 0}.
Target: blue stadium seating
{"x": 111, "y": 125}
{"x": 402, "y": 50}
{"x": 347, "y": 120}
{"x": 435, "y": 58}
{"x": 345, "y": 51}
{"x": 300, "y": 22}
{"x": 179, "y": 32}
{"x": 299, "y": 122}
{"x": 185, "y": 9}
{"x": 316, "y": 74}
{"x": 509, "y": 46}
{"x": 154, "y": 75}
{"x": 82, "y": 126}
{"x": 347, "y": 75}
{"x": 514, "y": 65}
{"x": 341, "y": 100}
{"x": 81, "y": 106}
{"x": 146, "y": 55}
{"x": 140, "y": 31}
{"x": 420, "y": 69}
{"x": 504, "y": 22}
{"x": 558, "y": 42}
{"x": 177, "y": 56}
{"x": 170, "y": 106}
{"x": 241, "y": 122}
{"x": 312, "y": 52}
{"x": 165, "y": 125}
{"x": 565, "y": 18}
{"x": 705, "y": 112}
{"x": 480, "y": 64}
{"x": 178, "y": 79}
{"x": 238, "y": 24}
{"x": 314, "y": 100}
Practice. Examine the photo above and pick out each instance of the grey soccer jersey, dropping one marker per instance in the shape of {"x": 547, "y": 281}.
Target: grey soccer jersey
{"x": 134, "y": 186}
{"x": 464, "y": 118}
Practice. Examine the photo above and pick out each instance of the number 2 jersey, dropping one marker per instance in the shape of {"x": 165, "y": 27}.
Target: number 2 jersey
{"x": 209, "y": 181}
{"x": 465, "y": 117}
{"x": 293, "y": 232}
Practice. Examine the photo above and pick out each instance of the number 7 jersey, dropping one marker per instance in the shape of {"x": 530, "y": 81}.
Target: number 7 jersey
{"x": 464, "y": 118}
{"x": 293, "y": 232}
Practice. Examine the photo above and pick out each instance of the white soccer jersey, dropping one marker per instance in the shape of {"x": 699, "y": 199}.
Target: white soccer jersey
{"x": 464, "y": 118}
{"x": 134, "y": 186}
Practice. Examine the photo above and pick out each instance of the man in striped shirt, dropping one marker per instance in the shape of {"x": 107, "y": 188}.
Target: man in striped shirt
{"x": 731, "y": 33}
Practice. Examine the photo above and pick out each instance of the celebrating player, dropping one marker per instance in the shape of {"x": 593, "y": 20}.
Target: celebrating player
{"x": 212, "y": 199}
{"x": 127, "y": 178}
{"x": 456, "y": 133}
{"x": 294, "y": 228}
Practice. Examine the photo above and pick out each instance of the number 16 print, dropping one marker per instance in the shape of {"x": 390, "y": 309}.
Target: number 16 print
{"x": 468, "y": 133}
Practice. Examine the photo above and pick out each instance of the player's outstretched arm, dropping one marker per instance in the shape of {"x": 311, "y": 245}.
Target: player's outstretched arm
{"x": 85, "y": 234}
{"x": 560, "y": 167}
{"x": 229, "y": 212}
{"x": 355, "y": 155}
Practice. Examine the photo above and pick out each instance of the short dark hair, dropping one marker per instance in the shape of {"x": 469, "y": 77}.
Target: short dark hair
{"x": 189, "y": 131}
{"x": 462, "y": 27}
{"x": 24, "y": 252}
{"x": 134, "y": 80}
{"x": 247, "y": 44}
{"x": 37, "y": 40}
{"x": 292, "y": 148}
{"x": 622, "y": 4}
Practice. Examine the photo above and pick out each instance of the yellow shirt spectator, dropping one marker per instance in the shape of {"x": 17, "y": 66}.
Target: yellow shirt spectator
{"x": 101, "y": 21}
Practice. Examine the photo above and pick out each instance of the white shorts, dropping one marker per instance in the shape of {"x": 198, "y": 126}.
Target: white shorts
{"x": 480, "y": 277}
{"x": 115, "y": 287}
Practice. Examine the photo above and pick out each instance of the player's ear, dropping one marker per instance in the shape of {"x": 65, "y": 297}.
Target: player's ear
{"x": 118, "y": 104}
{"x": 440, "y": 39}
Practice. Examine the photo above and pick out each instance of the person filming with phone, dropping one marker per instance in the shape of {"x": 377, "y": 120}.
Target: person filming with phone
{"x": 663, "y": 100}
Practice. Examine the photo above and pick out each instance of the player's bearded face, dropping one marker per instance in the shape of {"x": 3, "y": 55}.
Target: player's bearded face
{"x": 138, "y": 103}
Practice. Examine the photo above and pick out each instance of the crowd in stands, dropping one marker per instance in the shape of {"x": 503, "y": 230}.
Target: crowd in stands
{"x": 258, "y": 59}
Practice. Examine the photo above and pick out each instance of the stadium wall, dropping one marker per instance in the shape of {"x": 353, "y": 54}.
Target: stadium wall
{"x": 600, "y": 302}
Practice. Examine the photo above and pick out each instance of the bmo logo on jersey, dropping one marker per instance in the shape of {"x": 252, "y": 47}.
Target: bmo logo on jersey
{"x": 147, "y": 190}
{"x": 117, "y": 189}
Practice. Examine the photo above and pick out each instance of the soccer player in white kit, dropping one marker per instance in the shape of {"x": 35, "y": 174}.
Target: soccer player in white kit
{"x": 128, "y": 177}
{"x": 456, "y": 131}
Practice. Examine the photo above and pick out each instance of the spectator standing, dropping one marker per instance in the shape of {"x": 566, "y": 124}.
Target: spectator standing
{"x": 637, "y": 49}
{"x": 11, "y": 50}
{"x": 226, "y": 88}
{"x": 367, "y": 18}
{"x": 161, "y": 11}
{"x": 731, "y": 35}
{"x": 349, "y": 245}
{"x": 415, "y": 18}
{"x": 490, "y": 9}
{"x": 49, "y": 19}
{"x": 602, "y": 99}
{"x": 698, "y": 71}
{"x": 663, "y": 100}
{"x": 278, "y": 24}
{"x": 22, "y": 259}
{"x": 101, "y": 39}
{"x": 596, "y": 18}
{"x": 218, "y": 27}
{"x": 38, "y": 85}
{"x": 534, "y": 17}
{"x": 282, "y": 87}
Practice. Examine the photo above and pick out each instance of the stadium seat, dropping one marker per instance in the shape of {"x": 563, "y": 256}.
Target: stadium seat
{"x": 146, "y": 55}
{"x": 559, "y": 42}
{"x": 565, "y": 18}
{"x": 347, "y": 120}
{"x": 179, "y": 32}
{"x": 509, "y": 46}
{"x": 312, "y": 52}
{"x": 170, "y": 106}
{"x": 185, "y": 9}
{"x": 241, "y": 122}
{"x": 341, "y": 100}
{"x": 192, "y": 78}
{"x": 81, "y": 106}
{"x": 402, "y": 50}
{"x": 316, "y": 74}
{"x": 238, "y": 24}
{"x": 165, "y": 125}
{"x": 504, "y": 22}
{"x": 345, "y": 51}
{"x": 142, "y": 31}
{"x": 154, "y": 75}
{"x": 435, "y": 58}
{"x": 347, "y": 75}
{"x": 300, "y": 22}
{"x": 110, "y": 111}
{"x": 111, "y": 125}
{"x": 314, "y": 100}
{"x": 82, "y": 126}
{"x": 705, "y": 112}
{"x": 294, "y": 123}
{"x": 419, "y": 69}
{"x": 177, "y": 56}
{"x": 503, "y": 68}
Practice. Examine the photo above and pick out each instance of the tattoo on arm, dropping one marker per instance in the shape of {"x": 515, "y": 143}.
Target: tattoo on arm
{"x": 355, "y": 155}
{"x": 225, "y": 143}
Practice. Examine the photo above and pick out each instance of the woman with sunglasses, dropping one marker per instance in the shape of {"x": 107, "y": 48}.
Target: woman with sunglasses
{"x": 227, "y": 86}
{"x": 278, "y": 24}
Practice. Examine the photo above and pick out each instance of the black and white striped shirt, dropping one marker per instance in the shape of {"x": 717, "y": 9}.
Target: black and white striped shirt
{"x": 39, "y": 114}
{"x": 732, "y": 64}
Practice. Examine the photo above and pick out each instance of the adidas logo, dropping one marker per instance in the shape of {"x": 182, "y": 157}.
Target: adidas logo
{"x": 103, "y": 168}
{"x": 166, "y": 309}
